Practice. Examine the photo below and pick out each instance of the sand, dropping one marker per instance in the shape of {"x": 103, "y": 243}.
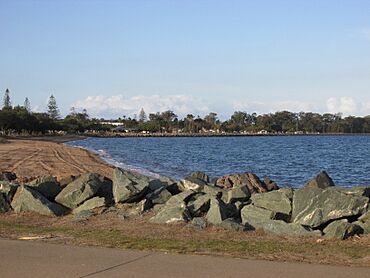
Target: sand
{"x": 34, "y": 158}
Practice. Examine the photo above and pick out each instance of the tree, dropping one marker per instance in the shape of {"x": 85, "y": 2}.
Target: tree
{"x": 7, "y": 102}
{"x": 142, "y": 116}
{"x": 27, "y": 105}
{"x": 53, "y": 110}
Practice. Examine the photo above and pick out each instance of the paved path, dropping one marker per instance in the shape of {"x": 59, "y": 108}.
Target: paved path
{"x": 36, "y": 259}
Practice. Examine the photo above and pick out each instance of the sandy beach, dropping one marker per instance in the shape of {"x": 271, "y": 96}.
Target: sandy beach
{"x": 33, "y": 158}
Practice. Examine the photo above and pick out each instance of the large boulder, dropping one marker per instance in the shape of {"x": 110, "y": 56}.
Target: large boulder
{"x": 253, "y": 215}
{"x": 214, "y": 191}
{"x": 251, "y": 181}
{"x": 47, "y": 186}
{"x": 192, "y": 183}
{"x": 129, "y": 187}
{"x": 232, "y": 224}
{"x": 4, "y": 204}
{"x": 181, "y": 198}
{"x": 80, "y": 190}
{"x": 314, "y": 207}
{"x": 8, "y": 190}
{"x": 96, "y": 202}
{"x": 27, "y": 199}
{"x": 171, "y": 214}
{"x": 277, "y": 201}
{"x": 200, "y": 176}
{"x": 341, "y": 229}
{"x": 238, "y": 193}
{"x": 8, "y": 176}
{"x": 322, "y": 180}
{"x": 159, "y": 196}
{"x": 217, "y": 212}
{"x": 278, "y": 227}
{"x": 199, "y": 204}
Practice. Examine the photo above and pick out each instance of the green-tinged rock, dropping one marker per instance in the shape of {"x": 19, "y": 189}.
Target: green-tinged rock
{"x": 159, "y": 196}
{"x": 83, "y": 215}
{"x": 322, "y": 180}
{"x": 201, "y": 176}
{"x": 314, "y": 207}
{"x": 4, "y": 204}
{"x": 357, "y": 190}
{"x": 365, "y": 226}
{"x": 171, "y": 214}
{"x": 198, "y": 223}
{"x": 27, "y": 199}
{"x": 217, "y": 212}
{"x": 126, "y": 210}
{"x": 341, "y": 229}
{"x": 239, "y": 193}
{"x": 276, "y": 201}
{"x": 78, "y": 191}
{"x": 181, "y": 198}
{"x": 253, "y": 215}
{"x": 47, "y": 186}
{"x": 90, "y": 204}
{"x": 231, "y": 224}
{"x": 192, "y": 183}
{"x": 8, "y": 190}
{"x": 278, "y": 227}
{"x": 129, "y": 187}
{"x": 214, "y": 191}
{"x": 106, "y": 191}
{"x": 199, "y": 204}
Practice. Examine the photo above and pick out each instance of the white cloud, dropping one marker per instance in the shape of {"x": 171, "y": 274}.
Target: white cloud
{"x": 261, "y": 107}
{"x": 115, "y": 106}
{"x": 345, "y": 105}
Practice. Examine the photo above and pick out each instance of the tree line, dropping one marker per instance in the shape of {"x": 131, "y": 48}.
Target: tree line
{"x": 20, "y": 119}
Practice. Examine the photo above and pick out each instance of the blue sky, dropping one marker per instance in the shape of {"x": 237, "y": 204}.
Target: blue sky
{"x": 114, "y": 57}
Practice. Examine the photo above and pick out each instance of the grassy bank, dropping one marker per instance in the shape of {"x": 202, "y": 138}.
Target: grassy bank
{"x": 256, "y": 247}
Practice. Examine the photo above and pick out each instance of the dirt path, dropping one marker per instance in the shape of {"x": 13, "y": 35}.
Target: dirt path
{"x": 36, "y": 259}
{"x": 29, "y": 158}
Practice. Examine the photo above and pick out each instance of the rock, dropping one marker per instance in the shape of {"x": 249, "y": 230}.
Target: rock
{"x": 90, "y": 204}
{"x": 365, "y": 226}
{"x": 314, "y": 207}
{"x": 198, "y": 223}
{"x": 4, "y": 204}
{"x": 133, "y": 209}
{"x": 192, "y": 183}
{"x": 253, "y": 215}
{"x": 217, "y": 212}
{"x": 47, "y": 186}
{"x": 270, "y": 184}
{"x": 8, "y": 176}
{"x": 160, "y": 196}
{"x": 173, "y": 188}
{"x": 214, "y": 191}
{"x": 239, "y": 193}
{"x": 231, "y": 224}
{"x": 278, "y": 227}
{"x": 106, "y": 191}
{"x": 171, "y": 214}
{"x": 357, "y": 190}
{"x": 341, "y": 229}
{"x": 276, "y": 201}
{"x": 78, "y": 191}
{"x": 201, "y": 176}
{"x": 8, "y": 190}
{"x": 199, "y": 204}
{"x": 251, "y": 181}
{"x": 129, "y": 187}
{"x": 181, "y": 198}
{"x": 322, "y": 180}
{"x": 83, "y": 215}
{"x": 27, "y": 199}
{"x": 66, "y": 180}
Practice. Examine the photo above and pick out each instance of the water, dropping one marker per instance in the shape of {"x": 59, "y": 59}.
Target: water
{"x": 290, "y": 161}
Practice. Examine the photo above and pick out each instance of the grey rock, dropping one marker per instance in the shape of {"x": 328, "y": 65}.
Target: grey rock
{"x": 4, "y": 204}
{"x": 314, "y": 207}
{"x": 201, "y": 176}
{"x": 276, "y": 201}
{"x": 47, "y": 186}
{"x": 83, "y": 215}
{"x": 78, "y": 191}
{"x": 8, "y": 190}
{"x": 341, "y": 229}
{"x": 251, "y": 181}
{"x": 171, "y": 214}
{"x": 365, "y": 226}
{"x": 322, "y": 180}
{"x": 231, "y": 224}
{"x": 90, "y": 204}
{"x": 199, "y": 204}
{"x": 278, "y": 227}
{"x": 27, "y": 199}
{"x": 159, "y": 196}
{"x": 181, "y": 198}
{"x": 357, "y": 190}
{"x": 106, "y": 191}
{"x": 253, "y": 215}
{"x": 239, "y": 193}
{"x": 270, "y": 184}
{"x": 198, "y": 223}
{"x": 214, "y": 191}
{"x": 217, "y": 212}
{"x": 129, "y": 187}
{"x": 192, "y": 183}
{"x": 8, "y": 176}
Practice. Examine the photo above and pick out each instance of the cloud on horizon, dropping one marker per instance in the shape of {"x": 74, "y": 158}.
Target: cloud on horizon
{"x": 348, "y": 106}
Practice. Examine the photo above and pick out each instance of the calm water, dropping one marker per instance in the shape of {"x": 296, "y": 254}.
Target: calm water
{"x": 287, "y": 160}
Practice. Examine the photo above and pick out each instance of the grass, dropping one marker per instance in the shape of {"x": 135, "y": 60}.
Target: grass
{"x": 270, "y": 248}
{"x": 3, "y": 141}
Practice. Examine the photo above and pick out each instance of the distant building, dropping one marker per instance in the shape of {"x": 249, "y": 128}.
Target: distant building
{"x": 111, "y": 123}
{"x": 121, "y": 128}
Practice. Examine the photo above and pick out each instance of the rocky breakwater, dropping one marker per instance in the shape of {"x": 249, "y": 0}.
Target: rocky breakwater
{"x": 240, "y": 202}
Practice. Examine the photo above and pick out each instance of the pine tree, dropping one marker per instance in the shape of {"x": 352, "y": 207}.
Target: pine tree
{"x": 7, "y": 102}
{"x": 27, "y": 104}
{"x": 142, "y": 116}
{"x": 53, "y": 110}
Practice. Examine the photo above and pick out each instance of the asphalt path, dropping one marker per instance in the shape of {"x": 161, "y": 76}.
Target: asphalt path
{"x": 39, "y": 259}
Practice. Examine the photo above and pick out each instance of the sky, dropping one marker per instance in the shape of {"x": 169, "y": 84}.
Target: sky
{"x": 115, "y": 57}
